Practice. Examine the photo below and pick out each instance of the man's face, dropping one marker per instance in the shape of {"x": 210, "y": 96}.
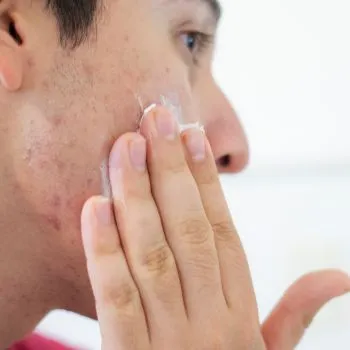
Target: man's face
{"x": 58, "y": 128}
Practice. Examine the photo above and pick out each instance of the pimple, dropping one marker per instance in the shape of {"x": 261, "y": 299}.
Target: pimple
{"x": 89, "y": 70}
{"x": 31, "y": 62}
{"x": 72, "y": 142}
{"x": 61, "y": 166}
{"x": 43, "y": 164}
{"x": 54, "y": 221}
{"x": 46, "y": 85}
{"x": 69, "y": 203}
{"x": 55, "y": 201}
{"x": 57, "y": 120}
{"x": 89, "y": 182}
{"x": 67, "y": 186}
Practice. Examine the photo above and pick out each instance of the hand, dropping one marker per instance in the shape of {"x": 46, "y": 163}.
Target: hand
{"x": 165, "y": 262}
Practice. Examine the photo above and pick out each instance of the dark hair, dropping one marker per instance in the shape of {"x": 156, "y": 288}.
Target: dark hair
{"x": 75, "y": 19}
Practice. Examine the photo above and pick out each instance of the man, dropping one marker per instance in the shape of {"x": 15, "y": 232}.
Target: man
{"x": 164, "y": 261}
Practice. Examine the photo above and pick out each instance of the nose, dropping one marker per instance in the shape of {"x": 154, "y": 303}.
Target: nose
{"x": 226, "y": 135}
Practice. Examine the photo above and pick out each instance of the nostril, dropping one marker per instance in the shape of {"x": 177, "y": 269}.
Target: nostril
{"x": 224, "y": 161}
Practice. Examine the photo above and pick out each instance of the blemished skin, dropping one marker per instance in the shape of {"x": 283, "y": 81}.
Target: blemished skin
{"x": 62, "y": 111}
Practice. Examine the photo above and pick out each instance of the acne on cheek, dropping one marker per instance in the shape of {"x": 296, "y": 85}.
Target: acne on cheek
{"x": 63, "y": 211}
{"x": 58, "y": 203}
{"x": 48, "y": 176}
{"x": 54, "y": 173}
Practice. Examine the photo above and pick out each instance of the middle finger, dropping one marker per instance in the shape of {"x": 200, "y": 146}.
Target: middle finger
{"x": 186, "y": 226}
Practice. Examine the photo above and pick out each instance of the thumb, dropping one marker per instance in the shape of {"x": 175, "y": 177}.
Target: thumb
{"x": 287, "y": 323}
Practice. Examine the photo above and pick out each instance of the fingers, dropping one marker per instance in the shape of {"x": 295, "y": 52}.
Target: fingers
{"x": 184, "y": 220}
{"x": 148, "y": 254}
{"x": 235, "y": 275}
{"x": 118, "y": 304}
{"x": 287, "y": 323}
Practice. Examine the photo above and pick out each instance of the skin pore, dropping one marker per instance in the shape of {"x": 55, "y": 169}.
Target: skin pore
{"x": 61, "y": 111}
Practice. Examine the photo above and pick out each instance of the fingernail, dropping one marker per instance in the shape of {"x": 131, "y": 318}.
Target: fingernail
{"x": 116, "y": 157}
{"x": 103, "y": 212}
{"x": 195, "y": 143}
{"x": 166, "y": 125}
{"x": 116, "y": 172}
{"x": 137, "y": 150}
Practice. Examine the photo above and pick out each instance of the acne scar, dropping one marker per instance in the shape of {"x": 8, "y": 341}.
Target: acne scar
{"x": 88, "y": 69}
{"x": 55, "y": 201}
{"x": 54, "y": 221}
{"x": 57, "y": 120}
{"x": 61, "y": 166}
{"x": 31, "y": 62}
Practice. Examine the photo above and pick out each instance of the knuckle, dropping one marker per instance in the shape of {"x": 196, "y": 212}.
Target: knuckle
{"x": 144, "y": 218}
{"x": 136, "y": 193}
{"x": 223, "y": 231}
{"x": 208, "y": 178}
{"x": 121, "y": 297}
{"x": 105, "y": 247}
{"x": 175, "y": 163}
{"x": 195, "y": 231}
{"x": 158, "y": 261}
{"x": 175, "y": 166}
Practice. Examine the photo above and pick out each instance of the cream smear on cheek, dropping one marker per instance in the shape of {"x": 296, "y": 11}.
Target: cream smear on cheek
{"x": 171, "y": 102}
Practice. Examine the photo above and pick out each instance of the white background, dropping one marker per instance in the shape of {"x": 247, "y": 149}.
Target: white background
{"x": 285, "y": 64}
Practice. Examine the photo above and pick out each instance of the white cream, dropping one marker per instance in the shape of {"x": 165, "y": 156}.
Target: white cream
{"x": 174, "y": 108}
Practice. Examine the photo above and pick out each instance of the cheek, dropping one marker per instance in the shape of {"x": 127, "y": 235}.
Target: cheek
{"x": 158, "y": 81}
{"x": 53, "y": 171}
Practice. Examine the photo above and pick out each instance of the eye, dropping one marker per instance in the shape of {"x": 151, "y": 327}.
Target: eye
{"x": 196, "y": 41}
{"x": 190, "y": 40}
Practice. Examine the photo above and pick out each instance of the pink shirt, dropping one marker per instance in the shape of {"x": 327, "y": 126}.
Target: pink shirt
{"x": 37, "y": 342}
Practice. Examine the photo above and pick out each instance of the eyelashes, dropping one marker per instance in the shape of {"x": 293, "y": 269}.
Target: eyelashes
{"x": 197, "y": 43}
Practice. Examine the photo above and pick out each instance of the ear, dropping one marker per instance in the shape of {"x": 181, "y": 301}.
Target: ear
{"x": 11, "y": 50}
